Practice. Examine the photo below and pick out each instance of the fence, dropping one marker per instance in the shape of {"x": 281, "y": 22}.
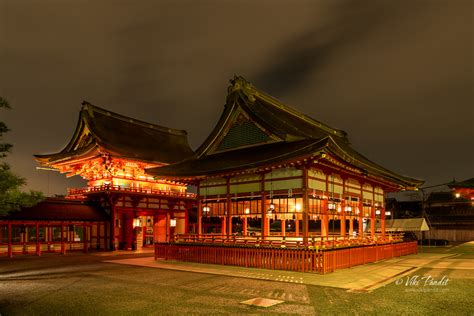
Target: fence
{"x": 302, "y": 259}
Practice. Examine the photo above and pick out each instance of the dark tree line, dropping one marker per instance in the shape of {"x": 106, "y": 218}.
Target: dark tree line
{"x": 11, "y": 195}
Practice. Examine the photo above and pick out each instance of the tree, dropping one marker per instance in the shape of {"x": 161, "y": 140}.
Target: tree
{"x": 11, "y": 197}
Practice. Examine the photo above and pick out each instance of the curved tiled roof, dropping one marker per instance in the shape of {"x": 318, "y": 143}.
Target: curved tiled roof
{"x": 125, "y": 137}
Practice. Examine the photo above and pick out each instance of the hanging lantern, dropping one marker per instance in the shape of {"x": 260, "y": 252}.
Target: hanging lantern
{"x": 137, "y": 222}
{"x": 247, "y": 211}
{"x": 173, "y": 222}
{"x": 298, "y": 207}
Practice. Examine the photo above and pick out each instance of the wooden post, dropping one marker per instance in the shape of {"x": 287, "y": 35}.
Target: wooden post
{"x": 372, "y": 221}
{"x": 324, "y": 219}
{"x": 229, "y": 209}
{"x": 297, "y": 226}
{"x": 382, "y": 221}
{"x": 84, "y": 232}
{"x": 38, "y": 245}
{"x": 112, "y": 224}
{"x": 199, "y": 210}
{"x": 372, "y": 215}
{"x": 244, "y": 226}
{"x": 305, "y": 206}
{"x": 283, "y": 227}
{"x": 223, "y": 226}
{"x": 361, "y": 217}
{"x": 168, "y": 227}
{"x": 351, "y": 226}
{"x": 265, "y": 220}
{"x": 63, "y": 246}
{"x": 10, "y": 246}
{"x": 343, "y": 210}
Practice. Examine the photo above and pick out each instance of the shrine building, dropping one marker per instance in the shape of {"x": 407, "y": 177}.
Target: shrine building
{"x": 275, "y": 179}
{"x": 122, "y": 206}
{"x": 275, "y": 189}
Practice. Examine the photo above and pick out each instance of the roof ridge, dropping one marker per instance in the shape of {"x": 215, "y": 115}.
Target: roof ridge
{"x": 89, "y": 108}
{"x": 239, "y": 83}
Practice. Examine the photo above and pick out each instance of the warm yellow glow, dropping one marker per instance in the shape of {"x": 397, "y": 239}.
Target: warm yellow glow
{"x": 137, "y": 222}
{"x": 377, "y": 212}
{"x": 298, "y": 207}
{"x": 458, "y": 195}
{"x": 247, "y": 211}
{"x": 173, "y": 222}
{"x": 348, "y": 209}
{"x": 388, "y": 213}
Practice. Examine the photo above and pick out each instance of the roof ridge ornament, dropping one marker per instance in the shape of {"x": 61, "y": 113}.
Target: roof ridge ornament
{"x": 238, "y": 83}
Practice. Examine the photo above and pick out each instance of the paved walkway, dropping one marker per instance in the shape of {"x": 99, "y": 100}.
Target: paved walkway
{"x": 359, "y": 278}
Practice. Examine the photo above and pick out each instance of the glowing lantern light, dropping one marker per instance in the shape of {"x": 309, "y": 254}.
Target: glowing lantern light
{"x": 137, "y": 222}
{"x": 298, "y": 207}
{"x": 173, "y": 222}
{"x": 458, "y": 195}
{"x": 247, "y": 211}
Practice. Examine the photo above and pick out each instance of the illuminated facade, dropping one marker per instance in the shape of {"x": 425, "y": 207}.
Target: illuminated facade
{"x": 112, "y": 152}
{"x": 267, "y": 170}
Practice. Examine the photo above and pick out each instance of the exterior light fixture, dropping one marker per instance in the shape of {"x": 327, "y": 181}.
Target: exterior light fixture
{"x": 388, "y": 213}
{"x": 173, "y": 222}
{"x": 298, "y": 207}
{"x": 331, "y": 206}
{"x": 271, "y": 207}
{"x": 348, "y": 209}
{"x": 247, "y": 211}
{"x": 377, "y": 212}
{"x": 206, "y": 209}
{"x": 137, "y": 222}
{"x": 458, "y": 195}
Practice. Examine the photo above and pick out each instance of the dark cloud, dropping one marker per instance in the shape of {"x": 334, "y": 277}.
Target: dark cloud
{"x": 397, "y": 75}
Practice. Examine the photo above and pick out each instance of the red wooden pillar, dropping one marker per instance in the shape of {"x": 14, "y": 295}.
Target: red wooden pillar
{"x": 199, "y": 210}
{"x": 382, "y": 221}
{"x": 372, "y": 221}
{"x": 229, "y": 209}
{"x": 223, "y": 226}
{"x": 351, "y": 226}
{"x": 113, "y": 245}
{"x": 361, "y": 217}
{"x": 283, "y": 227}
{"x": 10, "y": 247}
{"x": 372, "y": 215}
{"x": 86, "y": 244}
{"x": 168, "y": 227}
{"x": 63, "y": 246}
{"x": 38, "y": 245}
{"x": 244, "y": 226}
{"x": 265, "y": 220}
{"x": 324, "y": 219}
{"x": 305, "y": 206}
{"x": 343, "y": 217}
{"x": 297, "y": 226}
{"x": 128, "y": 230}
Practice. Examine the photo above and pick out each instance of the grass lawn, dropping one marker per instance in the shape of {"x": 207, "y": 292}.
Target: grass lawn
{"x": 84, "y": 285}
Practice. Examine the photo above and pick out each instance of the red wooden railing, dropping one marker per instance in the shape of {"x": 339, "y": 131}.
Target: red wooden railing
{"x": 267, "y": 258}
{"x": 305, "y": 259}
{"x": 114, "y": 188}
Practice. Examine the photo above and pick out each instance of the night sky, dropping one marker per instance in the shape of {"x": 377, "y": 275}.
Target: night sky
{"x": 396, "y": 75}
